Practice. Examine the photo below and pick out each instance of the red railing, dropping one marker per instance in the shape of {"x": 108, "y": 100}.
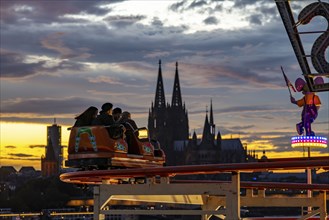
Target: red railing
{"x": 97, "y": 176}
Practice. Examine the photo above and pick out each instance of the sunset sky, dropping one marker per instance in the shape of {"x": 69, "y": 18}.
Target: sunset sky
{"x": 60, "y": 57}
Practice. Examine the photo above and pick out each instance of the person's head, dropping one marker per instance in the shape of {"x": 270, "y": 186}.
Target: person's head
{"x": 116, "y": 113}
{"x": 89, "y": 113}
{"x": 107, "y": 108}
{"x": 126, "y": 115}
{"x": 93, "y": 111}
{"x": 300, "y": 84}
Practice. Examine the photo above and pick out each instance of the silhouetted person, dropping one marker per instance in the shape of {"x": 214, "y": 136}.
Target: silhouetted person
{"x": 131, "y": 132}
{"x": 105, "y": 116}
{"x": 86, "y": 118}
{"x": 117, "y": 114}
{"x": 126, "y": 119}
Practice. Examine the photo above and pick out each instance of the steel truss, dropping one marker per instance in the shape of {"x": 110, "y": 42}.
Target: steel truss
{"x": 222, "y": 199}
{"x": 317, "y": 54}
{"x": 205, "y": 198}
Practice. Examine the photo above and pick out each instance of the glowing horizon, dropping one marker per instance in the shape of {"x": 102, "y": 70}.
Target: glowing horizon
{"x": 29, "y": 147}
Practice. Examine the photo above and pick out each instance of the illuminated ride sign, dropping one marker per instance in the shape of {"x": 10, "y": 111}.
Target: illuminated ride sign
{"x": 309, "y": 141}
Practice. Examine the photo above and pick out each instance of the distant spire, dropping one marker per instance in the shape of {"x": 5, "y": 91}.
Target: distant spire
{"x": 211, "y": 114}
{"x": 219, "y": 140}
{"x": 54, "y": 121}
{"x": 176, "y": 94}
{"x": 219, "y": 136}
{"x": 211, "y": 122}
{"x": 160, "y": 101}
{"x": 194, "y": 137}
{"x": 206, "y": 128}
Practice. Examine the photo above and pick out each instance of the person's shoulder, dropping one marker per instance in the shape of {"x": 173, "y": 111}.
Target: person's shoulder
{"x": 96, "y": 121}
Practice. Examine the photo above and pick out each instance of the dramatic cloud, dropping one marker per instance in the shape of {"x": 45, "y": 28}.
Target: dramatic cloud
{"x": 17, "y": 11}
{"x": 211, "y": 20}
{"x": 15, "y": 65}
{"x": 37, "y": 146}
{"x": 10, "y": 147}
{"x": 60, "y": 57}
{"x": 45, "y": 106}
{"x": 123, "y": 21}
{"x": 21, "y": 155}
{"x": 54, "y": 42}
{"x": 12, "y": 65}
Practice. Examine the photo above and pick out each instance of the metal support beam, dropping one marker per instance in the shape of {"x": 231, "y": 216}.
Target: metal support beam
{"x": 208, "y": 197}
{"x": 97, "y": 204}
{"x": 233, "y": 198}
{"x": 319, "y": 47}
{"x": 204, "y": 198}
{"x": 323, "y": 206}
{"x": 290, "y": 26}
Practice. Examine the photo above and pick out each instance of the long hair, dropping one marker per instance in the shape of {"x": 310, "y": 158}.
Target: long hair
{"x": 88, "y": 114}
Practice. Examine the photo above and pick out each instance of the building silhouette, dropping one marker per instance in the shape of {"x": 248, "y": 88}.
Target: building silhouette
{"x": 169, "y": 124}
{"x": 52, "y": 161}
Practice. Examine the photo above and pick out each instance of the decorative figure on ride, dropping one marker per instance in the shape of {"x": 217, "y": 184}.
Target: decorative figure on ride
{"x": 310, "y": 103}
{"x": 88, "y": 131}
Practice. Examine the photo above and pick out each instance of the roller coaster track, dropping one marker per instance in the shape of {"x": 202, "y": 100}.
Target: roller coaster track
{"x": 99, "y": 176}
{"x": 219, "y": 198}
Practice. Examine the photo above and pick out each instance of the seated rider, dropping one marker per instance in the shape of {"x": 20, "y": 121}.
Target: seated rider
{"x": 105, "y": 116}
{"x": 310, "y": 103}
{"x": 130, "y": 125}
{"x": 116, "y": 113}
{"x": 126, "y": 119}
{"x": 86, "y": 118}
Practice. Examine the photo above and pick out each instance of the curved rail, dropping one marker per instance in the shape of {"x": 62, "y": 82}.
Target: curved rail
{"x": 98, "y": 176}
{"x": 284, "y": 159}
{"x": 263, "y": 185}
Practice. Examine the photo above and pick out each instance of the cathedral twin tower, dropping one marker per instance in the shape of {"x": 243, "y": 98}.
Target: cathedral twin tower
{"x": 168, "y": 123}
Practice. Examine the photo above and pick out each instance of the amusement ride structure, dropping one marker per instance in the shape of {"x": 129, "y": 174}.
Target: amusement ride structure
{"x": 134, "y": 173}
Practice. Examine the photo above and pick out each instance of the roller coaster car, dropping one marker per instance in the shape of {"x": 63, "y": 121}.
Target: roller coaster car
{"x": 116, "y": 146}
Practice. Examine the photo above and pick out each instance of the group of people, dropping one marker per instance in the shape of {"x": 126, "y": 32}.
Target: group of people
{"x": 106, "y": 117}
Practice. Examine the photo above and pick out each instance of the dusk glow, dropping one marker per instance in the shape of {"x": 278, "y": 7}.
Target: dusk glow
{"x": 60, "y": 57}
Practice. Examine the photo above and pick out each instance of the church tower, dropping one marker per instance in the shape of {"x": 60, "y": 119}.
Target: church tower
{"x": 158, "y": 115}
{"x": 168, "y": 123}
{"x": 178, "y": 113}
{"x": 207, "y": 150}
{"x": 208, "y": 135}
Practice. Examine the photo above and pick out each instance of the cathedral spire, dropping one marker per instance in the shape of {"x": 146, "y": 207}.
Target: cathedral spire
{"x": 160, "y": 101}
{"x": 206, "y": 128}
{"x": 211, "y": 114}
{"x": 211, "y": 122}
{"x": 176, "y": 94}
